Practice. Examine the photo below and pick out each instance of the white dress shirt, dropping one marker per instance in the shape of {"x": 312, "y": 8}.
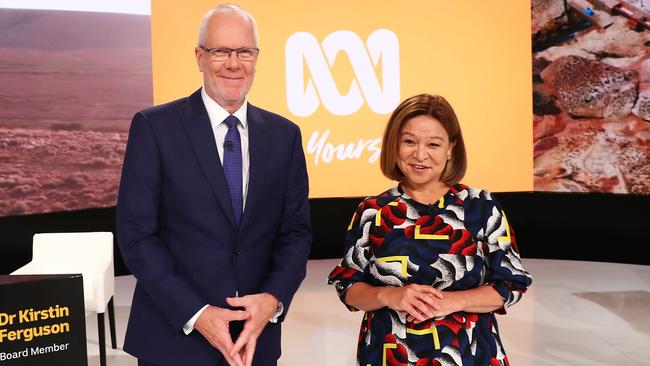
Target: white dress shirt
{"x": 217, "y": 115}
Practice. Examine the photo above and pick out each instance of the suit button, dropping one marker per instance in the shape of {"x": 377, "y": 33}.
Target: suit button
{"x": 237, "y": 252}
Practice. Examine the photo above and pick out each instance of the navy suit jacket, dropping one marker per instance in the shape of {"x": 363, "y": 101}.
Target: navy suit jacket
{"x": 177, "y": 232}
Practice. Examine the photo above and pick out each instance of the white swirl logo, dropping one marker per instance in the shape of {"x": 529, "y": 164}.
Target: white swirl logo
{"x": 303, "y": 100}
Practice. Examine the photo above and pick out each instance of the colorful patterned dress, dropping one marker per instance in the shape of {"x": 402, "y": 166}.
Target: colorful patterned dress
{"x": 462, "y": 242}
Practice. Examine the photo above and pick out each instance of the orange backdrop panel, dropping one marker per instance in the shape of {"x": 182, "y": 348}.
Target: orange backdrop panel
{"x": 351, "y": 62}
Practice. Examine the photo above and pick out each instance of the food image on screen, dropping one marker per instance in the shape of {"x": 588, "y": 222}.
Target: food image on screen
{"x": 591, "y": 95}
{"x": 70, "y": 83}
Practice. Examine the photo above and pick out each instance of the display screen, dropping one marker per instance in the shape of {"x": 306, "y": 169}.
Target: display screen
{"x": 339, "y": 68}
{"x": 591, "y": 69}
{"x": 550, "y": 97}
{"x": 70, "y": 81}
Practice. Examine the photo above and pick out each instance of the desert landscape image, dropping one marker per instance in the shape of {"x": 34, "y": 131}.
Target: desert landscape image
{"x": 591, "y": 95}
{"x": 70, "y": 82}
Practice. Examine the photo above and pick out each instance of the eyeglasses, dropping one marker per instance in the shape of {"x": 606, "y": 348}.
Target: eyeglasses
{"x": 223, "y": 53}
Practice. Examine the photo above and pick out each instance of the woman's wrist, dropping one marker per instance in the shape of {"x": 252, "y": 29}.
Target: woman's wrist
{"x": 382, "y": 295}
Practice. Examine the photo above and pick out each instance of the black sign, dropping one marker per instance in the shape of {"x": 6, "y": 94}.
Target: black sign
{"x": 42, "y": 320}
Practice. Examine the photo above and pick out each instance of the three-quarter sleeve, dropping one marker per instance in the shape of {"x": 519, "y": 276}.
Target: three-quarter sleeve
{"x": 353, "y": 267}
{"x": 505, "y": 272}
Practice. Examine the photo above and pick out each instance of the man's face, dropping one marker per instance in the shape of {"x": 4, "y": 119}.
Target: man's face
{"x": 227, "y": 82}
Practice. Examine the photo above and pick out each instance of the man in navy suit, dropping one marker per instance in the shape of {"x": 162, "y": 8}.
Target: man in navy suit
{"x": 212, "y": 214}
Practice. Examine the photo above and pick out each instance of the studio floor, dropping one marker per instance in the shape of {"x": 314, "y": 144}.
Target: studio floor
{"x": 576, "y": 313}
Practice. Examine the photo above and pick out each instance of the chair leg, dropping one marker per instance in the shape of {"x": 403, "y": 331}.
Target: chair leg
{"x": 111, "y": 322}
{"x": 102, "y": 339}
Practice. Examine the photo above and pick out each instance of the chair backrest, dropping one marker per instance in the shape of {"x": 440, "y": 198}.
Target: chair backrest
{"x": 73, "y": 252}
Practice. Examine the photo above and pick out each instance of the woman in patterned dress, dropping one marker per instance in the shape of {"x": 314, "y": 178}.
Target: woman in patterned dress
{"x": 431, "y": 260}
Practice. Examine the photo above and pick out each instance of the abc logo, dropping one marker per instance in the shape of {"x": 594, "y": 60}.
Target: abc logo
{"x": 303, "y": 98}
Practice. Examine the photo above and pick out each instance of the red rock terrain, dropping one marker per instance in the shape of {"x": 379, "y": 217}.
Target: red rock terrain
{"x": 45, "y": 170}
{"x": 591, "y": 99}
{"x": 69, "y": 84}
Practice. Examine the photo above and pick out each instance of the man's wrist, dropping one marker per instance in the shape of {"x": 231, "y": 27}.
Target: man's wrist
{"x": 189, "y": 326}
{"x": 278, "y": 312}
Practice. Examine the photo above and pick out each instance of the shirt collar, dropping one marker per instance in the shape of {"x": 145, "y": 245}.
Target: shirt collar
{"x": 218, "y": 114}
{"x": 443, "y": 201}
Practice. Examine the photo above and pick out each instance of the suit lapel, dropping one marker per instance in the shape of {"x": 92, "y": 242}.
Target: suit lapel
{"x": 258, "y": 144}
{"x": 199, "y": 131}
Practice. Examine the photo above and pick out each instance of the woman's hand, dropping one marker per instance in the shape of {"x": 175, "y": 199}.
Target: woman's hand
{"x": 482, "y": 299}
{"x": 449, "y": 303}
{"x": 418, "y": 302}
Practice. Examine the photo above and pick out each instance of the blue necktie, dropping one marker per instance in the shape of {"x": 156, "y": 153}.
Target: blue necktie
{"x": 232, "y": 165}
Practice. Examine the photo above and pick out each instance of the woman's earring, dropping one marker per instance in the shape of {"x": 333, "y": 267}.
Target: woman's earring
{"x": 448, "y": 156}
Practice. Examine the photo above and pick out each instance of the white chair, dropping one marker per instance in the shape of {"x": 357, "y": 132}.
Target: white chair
{"x": 90, "y": 254}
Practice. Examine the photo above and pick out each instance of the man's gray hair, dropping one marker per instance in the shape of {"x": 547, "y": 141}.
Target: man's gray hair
{"x": 225, "y": 8}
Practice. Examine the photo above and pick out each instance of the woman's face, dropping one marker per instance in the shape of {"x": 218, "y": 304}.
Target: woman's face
{"x": 423, "y": 149}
